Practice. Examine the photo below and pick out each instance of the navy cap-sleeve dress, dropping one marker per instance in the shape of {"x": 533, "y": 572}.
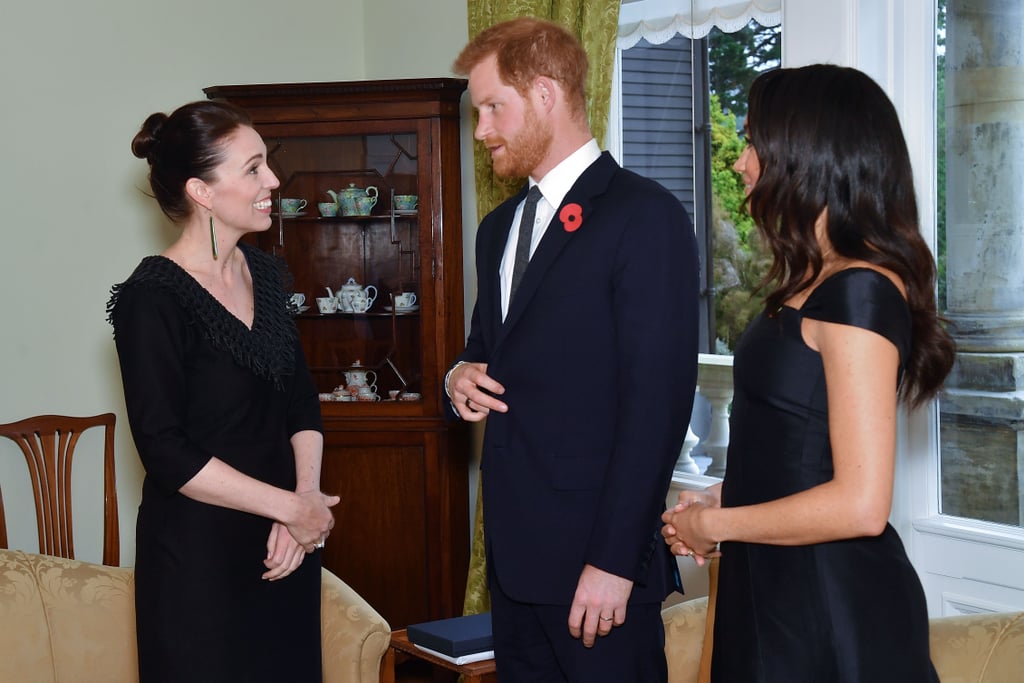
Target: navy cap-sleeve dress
{"x": 843, "y": 611}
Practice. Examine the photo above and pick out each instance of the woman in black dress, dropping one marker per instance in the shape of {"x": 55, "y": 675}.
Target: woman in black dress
{"x": 226, "y": 420}
{"x": 814, "y": 584}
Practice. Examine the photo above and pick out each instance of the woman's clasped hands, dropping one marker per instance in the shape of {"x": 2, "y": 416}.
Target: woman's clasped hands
{"x": 306, "y": 530}
{"x": 684, "y": 531}
{"x": 313, "y": 522}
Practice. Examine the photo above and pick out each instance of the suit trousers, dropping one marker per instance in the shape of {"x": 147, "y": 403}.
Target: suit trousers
{"x": 532, "y": 644}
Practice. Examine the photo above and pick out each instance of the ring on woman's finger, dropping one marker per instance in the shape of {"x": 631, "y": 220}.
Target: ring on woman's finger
{"x": 605, "y": 618}
{"x": 467, "y": 403}
{"x": 320, "y": 543}
{"x": 689, "y": 554}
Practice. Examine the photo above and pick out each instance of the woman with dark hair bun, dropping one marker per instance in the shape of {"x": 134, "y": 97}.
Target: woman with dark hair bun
{"x": 225, "y": 418}
{"x": 814, "y": 584}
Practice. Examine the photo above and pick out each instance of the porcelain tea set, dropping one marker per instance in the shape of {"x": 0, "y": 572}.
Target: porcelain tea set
{"x": 352, "y": 297}
{"x": 354, "y": 201}
{"x": 359, "y": 201}
{"x": 360, "y": 385}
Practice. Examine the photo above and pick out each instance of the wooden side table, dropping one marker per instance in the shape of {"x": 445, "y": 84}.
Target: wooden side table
{"x": 401, "y": 649}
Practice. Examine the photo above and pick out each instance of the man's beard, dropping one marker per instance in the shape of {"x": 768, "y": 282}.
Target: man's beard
{"x": 527, "y": 150}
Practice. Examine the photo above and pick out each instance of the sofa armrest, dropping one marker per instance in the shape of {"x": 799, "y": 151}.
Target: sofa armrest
{"x": 353, "y": 634}
{"x": 978, "y": 648}
{"x": 684, "y": 639}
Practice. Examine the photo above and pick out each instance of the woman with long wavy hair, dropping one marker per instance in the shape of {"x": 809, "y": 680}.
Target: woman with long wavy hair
{"x": 814, "y": 584}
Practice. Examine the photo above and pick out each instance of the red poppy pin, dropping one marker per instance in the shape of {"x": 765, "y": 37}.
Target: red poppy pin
{"x": 571, "y": 216}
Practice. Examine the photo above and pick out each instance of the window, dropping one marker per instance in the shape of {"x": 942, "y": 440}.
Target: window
{"x": 966, "y": 564}
{"x": 678, "y": 105}
{"x": 664, "y": 132}
{"x": 980, "y": 244}
{"x": 681, "y": 109}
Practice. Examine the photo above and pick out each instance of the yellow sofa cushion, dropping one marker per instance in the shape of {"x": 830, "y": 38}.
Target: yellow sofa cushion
{"x": 22, "y": 624}
{"x": 63, "y": 621}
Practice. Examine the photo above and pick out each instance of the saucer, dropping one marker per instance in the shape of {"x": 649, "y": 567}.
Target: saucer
{"x": 303, "y": 309}
{"x": 406, "y": 212}
{"x": 297, "y": 214}
{"x": 403, "y": 309}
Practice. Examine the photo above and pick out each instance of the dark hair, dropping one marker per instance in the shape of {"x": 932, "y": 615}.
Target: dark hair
{"x": 187, "y": 144}
{"x": 828, "y": 139}
{"x": 527, "y": 48}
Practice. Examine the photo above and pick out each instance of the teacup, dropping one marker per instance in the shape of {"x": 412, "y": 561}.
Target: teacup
{"x": 350, "y": 301}
{"x": 405, "y": 300}
{"x": 298, "y": 299}
{"x": 364, "y": 204}
{"x": 292, "y": 205}
{"x": 327, "y": 304}
{"x": 367, "y": 394}
{"x": 406, "y": 202}
{"x": 393, "y": 394}
{"x": 360, "y": 302}
{"x": 347, "y": 198}
{"x": 327, "y": 209}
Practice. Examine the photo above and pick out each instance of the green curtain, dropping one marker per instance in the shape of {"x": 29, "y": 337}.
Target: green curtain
{"x": 595, "y": 23}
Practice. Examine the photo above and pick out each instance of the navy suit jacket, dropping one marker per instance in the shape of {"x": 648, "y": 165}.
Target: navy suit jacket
{"x": 598, "y": 357}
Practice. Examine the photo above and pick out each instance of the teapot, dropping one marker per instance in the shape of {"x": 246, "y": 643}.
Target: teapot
{"x": 358, "y": 376}
{"x": 346, "y": 199}
{"x": 350, "y": 290}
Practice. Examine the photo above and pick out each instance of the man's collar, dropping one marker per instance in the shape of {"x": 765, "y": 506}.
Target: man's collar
{"x": 559, "y": 180}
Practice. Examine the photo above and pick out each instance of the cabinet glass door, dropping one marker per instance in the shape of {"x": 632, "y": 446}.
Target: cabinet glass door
{"x": 367, "y": 257}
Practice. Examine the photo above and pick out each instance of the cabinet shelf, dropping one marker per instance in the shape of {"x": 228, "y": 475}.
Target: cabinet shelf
{"x": 372, "y": 218}
{"x": 352, "y": 316}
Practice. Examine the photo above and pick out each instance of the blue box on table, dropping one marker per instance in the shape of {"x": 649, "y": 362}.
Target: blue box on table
{"x": 454, "y": 637}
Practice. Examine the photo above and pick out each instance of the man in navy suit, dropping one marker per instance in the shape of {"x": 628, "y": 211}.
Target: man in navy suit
{"x": 585, "y": 373}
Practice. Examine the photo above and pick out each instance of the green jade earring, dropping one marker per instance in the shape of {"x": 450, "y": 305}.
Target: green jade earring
{"x": 213, "y": 238}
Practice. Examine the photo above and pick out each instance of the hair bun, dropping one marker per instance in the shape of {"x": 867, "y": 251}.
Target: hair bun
{"x": 149, "y": 135}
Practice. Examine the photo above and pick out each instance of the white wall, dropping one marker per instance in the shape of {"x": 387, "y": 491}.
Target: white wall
{"x": 77, "y": 79}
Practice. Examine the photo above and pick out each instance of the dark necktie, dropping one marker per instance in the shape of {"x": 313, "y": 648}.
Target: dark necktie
{"x": 525, "y": 239}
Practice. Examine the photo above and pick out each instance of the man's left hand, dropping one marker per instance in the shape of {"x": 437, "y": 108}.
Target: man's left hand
{"x": 599, "y": 604}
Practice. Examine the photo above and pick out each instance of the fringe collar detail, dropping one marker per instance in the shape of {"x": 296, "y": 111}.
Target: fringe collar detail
{"x": 267, "y": 349}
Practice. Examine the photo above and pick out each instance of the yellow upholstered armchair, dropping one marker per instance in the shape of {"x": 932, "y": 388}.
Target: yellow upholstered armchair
{"x": 63, "y": 621}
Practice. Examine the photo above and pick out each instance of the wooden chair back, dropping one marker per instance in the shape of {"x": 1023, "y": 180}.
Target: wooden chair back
{"x": 48, "y": 443}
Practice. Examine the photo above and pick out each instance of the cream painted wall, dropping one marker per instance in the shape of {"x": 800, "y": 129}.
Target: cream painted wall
{"x": 77, "y": 82}
{"x": 437, "y": 37}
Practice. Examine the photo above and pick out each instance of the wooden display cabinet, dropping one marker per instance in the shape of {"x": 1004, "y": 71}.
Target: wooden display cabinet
{"x": 402, "y": 533}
